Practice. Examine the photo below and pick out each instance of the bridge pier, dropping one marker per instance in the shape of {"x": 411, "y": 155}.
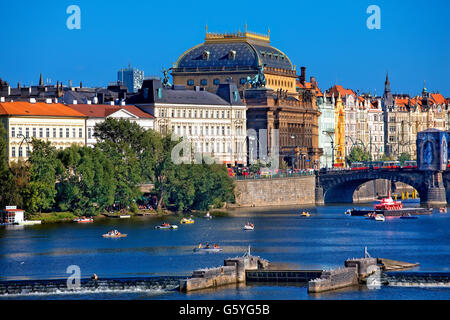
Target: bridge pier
{"x": 320, "y": 199}
{"x": 435, "y": 193}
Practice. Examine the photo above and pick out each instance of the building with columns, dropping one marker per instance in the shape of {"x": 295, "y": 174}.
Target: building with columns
{"x": 326, "y": 106}
{"x": 213, "y": 124}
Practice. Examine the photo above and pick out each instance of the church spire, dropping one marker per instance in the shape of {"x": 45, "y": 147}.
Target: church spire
{"x": 41, "y": 81}
{"x": 387, "y": 84}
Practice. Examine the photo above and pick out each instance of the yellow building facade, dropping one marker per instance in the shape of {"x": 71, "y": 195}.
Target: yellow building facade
{"x": 339, "y": 139}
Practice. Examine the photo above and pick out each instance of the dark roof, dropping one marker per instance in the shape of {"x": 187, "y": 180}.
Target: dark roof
{"x": 247, "y": 55}
{"x": 149, "y": 94}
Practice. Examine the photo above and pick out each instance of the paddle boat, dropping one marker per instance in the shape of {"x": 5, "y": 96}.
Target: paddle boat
{"x": 207, "y": 248}
{"x": 125, "y": 216}
{"x": 249, "y": 226}
{"x": 187, "y": 221}
{"x": 167, "y": 226}
{"x": 83, "y": 219}
{"x": 443, "y": 210}
{"x": 208, "y": 216}
{"x": 114, "y": 234}
{"x": 29, "y": 222}
{"x": 305, "y": 214}
{"x": 348, "y": 212}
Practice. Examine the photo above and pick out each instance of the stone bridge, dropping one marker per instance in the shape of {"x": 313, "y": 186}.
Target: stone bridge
{"x": 433, "y": 187}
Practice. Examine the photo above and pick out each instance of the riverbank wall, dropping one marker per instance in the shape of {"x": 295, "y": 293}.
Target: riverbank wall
{"x": 275, "y": 192}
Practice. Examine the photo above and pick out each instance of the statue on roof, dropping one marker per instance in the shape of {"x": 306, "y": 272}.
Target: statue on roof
{"x": 165, "y": 80}
{"x": 259, "y": 80}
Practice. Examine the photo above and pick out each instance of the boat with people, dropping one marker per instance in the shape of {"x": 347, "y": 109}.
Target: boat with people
{"x": 187, "y": 220}
{"x": 166, "y": 225}
{"x": 207, "y": 248}
{"x": 389, "y": 208}
{"x": 379, "y": 217}
{"x": 305, "y": 214}
{"x": 114, "y": 234}
{"x": 83, "y": 219}
{"x": 443, "y": 210}
{"x": 249, "y": 226}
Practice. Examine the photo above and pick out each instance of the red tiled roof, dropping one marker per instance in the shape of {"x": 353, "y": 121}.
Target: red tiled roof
{"x": 22, "y": 108}
{"x": 438, "y": 98}
{"x": 102, "y": 110}
{"x": 339, "y": 89}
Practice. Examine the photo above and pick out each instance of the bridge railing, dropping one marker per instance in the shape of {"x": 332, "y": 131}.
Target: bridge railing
{"x": 274, "y": 176}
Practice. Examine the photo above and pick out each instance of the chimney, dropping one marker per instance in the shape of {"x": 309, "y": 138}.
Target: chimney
{"x": 2, "y": 99}
{"x": 313, "y": 82}
{"x": 95, "y": 100}
{"x": 74, "y": 102}
{"x": 122, "y": 103}
{"x": 32, "y": 100}
{"x": 303, "y": 75}
{"x": 48, "y": 101}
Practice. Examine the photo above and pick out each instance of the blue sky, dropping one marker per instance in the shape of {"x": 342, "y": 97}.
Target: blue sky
{"x": 330, "y": 38}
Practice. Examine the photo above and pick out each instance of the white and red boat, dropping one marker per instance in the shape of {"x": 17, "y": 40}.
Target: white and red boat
{"x": 249, "y": 226}
{"x": 388, "y": 204}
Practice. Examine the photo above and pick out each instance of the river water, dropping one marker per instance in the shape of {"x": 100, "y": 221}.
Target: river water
{"x": 322, "y": 241}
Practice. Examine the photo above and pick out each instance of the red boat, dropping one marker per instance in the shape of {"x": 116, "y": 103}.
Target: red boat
{"x": 389, "y": 204}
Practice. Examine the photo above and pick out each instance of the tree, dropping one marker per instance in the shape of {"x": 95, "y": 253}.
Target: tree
{"x": 385, "y": 157}
{"x": 8, "y": 192}
{"x": 404, "y": 157}
{"x": 358, "y": 154}
{"x": 43, "y": 169}
{"x": 87, "y": 183}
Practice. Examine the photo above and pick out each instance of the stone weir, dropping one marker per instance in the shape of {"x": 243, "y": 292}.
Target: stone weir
{"x": 233, "y": 271}
{"x": 354, "y": 272}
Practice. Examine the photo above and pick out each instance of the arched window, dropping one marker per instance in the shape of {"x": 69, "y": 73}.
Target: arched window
{"x": 216, "y": 82}
{"x": 190, "y": 82}
{"x": 203, "y": 82}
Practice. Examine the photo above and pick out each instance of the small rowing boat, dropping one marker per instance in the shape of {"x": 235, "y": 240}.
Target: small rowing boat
{"x": 114, "y": 234}
{"x": 305, "y": 214}
{"x": 167, "y": 226}
{"x": 83, "y": 220}
{"x": 249, "y": 226}
{"x": 207, "y": 249}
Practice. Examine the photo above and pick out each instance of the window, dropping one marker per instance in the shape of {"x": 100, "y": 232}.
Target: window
{"x": 67, "y": 133}
{"x": 184, "y": 113}
{"x": 47, "y": 132}
{"x": 74, "y": 133}
{"x": 13, "y": 132}
{"x": 28, "y": 151}
{"x": 89, "y": 133}
{"x": 80, "y": 132}
{"x": 27, "y": 132}
{"x": 228, "y": 114}
{"x": 41, "y": 132}
{"x": 216, "y": 82}
{"x": 61, "y": 132}
{"x": 243, "y": 80}
{"x": 223, "y": 114}
{"x": 20, "y": 131}
{"x": 223, "y": 130}
{"x": 20, "y": 152}
{"x": 34, "y": 132}
{"x": 54, "y": 132}
{"x": 195, "y": 114}
{"x": 203, "y": 82}
{"x": 190, "y": 82}
{"x": 13, "y": 152}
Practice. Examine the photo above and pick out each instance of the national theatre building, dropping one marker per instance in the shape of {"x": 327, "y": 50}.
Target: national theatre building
{"x": 268, "y": 84}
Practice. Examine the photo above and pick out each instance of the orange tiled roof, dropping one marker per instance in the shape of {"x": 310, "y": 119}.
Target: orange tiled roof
{"x": 101, "y": 110}
{"x": 23, "y": 108}
{"x": 340, "y": 89}
{"x": 438, "y": 98}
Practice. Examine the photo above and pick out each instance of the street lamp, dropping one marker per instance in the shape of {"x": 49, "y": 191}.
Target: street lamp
{"x": 295, "y": 152}
{"x": 23, "y": 139}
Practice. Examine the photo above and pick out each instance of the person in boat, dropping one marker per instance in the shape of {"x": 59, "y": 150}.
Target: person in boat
{"x": 207, "y": 246}
{"x": 216, "y": 246}
{"x": 199, "y": 245}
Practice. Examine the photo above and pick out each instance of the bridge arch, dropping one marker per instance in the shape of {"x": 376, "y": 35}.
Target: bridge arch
{"x": 341, "y": 187}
